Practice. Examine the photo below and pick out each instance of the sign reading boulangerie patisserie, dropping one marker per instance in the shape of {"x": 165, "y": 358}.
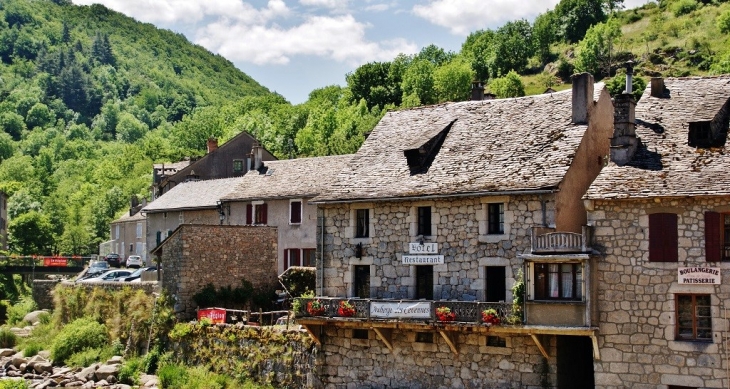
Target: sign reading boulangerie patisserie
{"x": 699, "y": 275}
{"x": 400, "y": 309}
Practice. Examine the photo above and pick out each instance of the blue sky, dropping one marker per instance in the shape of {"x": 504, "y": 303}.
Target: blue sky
{"x": 295, "y": 46}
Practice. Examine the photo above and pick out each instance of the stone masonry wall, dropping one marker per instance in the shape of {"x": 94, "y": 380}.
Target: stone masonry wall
{"x": 459, "y": 228}
{"x": 44, "y": 298}
{"x": 197, "y": 255}
{"x": 636, "y": 298}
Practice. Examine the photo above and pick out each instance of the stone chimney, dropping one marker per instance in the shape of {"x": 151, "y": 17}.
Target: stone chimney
{"x": 489, "y": 96}
{"x": 624, "y": 141}
{"x": 657, "y": 87}
{"x": 212, "y": 144}
{"x": 582, "y": 97}
{"x": 258, "y": 156}
{"x": 477, "y": 91}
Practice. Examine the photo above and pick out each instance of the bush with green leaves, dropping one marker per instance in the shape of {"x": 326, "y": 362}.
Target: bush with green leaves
{"x": 683, "y": 7}
{"x": 172, "y": 376}
{"x": 8, "y": 339}
{"x": 130, "y": 371}
{"x": 14, "y": 384}
{"x": 17, "y": 312}
{"x": 32, "y": 349}
{"x": 79, "y": 335}
{"x": 723, "y": 22}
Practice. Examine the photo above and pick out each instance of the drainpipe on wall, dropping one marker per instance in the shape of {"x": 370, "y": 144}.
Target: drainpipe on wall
{"x": 320, "y": 252}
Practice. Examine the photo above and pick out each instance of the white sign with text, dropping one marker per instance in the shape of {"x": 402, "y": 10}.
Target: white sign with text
{"x": 423, "y": 259}
{"x": 423, "y": 248}
{"x": 699, "y": 275}
{"x": 401, "y": 310}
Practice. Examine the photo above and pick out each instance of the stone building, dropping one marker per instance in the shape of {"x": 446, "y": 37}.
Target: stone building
{"x": 128, "y": 233}
{"x": 277, "y": 194}
{"x": 3, "y": 221}
{"x": 451, "y": 206}
{"x": 661, "y": 216}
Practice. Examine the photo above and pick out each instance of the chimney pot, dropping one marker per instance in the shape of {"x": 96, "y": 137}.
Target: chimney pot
{"x": 657, "y": 87}
{"x": 477, "y": 91}
{"x": 212, "y": 144}
{"x": 629, "y": 76}
{"x": 582, "y": 96}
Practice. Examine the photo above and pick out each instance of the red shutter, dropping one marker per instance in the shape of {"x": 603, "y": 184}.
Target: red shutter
{"x": 663, "y": 237}
{"x": 296, "y": 256}
{"x": 263, "y": 213}
{"x": 249, "y": 214}
{"x": 296, "y": 212}
{"x": 713, "y": 231}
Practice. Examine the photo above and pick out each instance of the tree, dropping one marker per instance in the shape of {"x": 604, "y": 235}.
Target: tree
{"x": 545, "y": 31}
{"x": 723, "y": 22}
{"x": 7, "y": 146}
{"x": 453, "y": 81}
{"x": 13, "y": 124}
{"x": 577, "y": 16}
{"x": 129, "y": 128}
{"x": 508, "y": 86}
{"x": 418, "y": 81}
{"x": 594, "y": 51}
{"x": 435, "y": 55}
{"x": 512, "y": 47}
{"x": 30, "y": 233}
{"x": 39, "y": 116}
{"x": 477, "y": 49}
{"x": 374, "y": 83}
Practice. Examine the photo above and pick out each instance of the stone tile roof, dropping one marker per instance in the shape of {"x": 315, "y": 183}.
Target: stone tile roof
{"x": 172, "y": 166}
{"x": 127, "y": 218}
{"x": 193, "y": 195}
{"x": 499, "y": 145}
{"x": 665, "y": 165}
{"x": 292, "y": 178}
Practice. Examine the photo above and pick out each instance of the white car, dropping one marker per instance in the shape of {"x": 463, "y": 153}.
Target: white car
{"x": 111, "y": 275}
{"x": 134, "y": 261}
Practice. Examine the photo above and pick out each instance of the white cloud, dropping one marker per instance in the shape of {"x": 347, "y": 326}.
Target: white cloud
{"x": 324, "y": 3}
{"x": 341, "y": 38}
{"x": 377, "y": 7}
{"x": 464, "y": 16}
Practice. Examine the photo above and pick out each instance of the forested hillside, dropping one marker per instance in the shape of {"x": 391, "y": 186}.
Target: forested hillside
{"x": 91, "y": 98}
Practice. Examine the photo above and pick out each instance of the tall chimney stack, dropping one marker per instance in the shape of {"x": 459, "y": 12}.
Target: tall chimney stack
{"x": 624, "y": 141}
{"x": 258, "y": 156}
{"x": 477, "y": 91}
{"x": 629, "y": 76}
{"x": 212, "y": 144}
{"x": 582, "y": 97}
{"x": 657, "y": 87}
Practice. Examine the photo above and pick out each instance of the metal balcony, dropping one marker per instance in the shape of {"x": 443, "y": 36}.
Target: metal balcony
{"x": 548, "y": 241}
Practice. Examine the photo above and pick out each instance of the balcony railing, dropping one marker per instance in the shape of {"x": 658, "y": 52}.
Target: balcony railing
{"x": 548, "y": 241}
{"x": 404, "y": 310}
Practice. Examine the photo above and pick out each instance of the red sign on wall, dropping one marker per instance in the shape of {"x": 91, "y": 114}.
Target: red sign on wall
{"x": 55, "y": 261}
{"x": 216, "y": 315}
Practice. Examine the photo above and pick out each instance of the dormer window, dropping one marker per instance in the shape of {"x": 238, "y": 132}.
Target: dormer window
{"x": 701, "y": 134}
{"x": 420, "y": 159}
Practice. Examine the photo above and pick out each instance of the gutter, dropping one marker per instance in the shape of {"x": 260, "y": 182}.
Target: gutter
{"x": 441, "y": 196}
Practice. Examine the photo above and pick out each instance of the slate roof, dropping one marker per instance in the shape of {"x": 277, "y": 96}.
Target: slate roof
{"x": 501, "y": 145}
{"x": 665, "y": 165}
{"x": 291, "y": 178}
{"x": 193, "y": 195}
{"x": 127, "y": 218}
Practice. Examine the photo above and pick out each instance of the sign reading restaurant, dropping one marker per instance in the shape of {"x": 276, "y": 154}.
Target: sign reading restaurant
{"x": 699, "y": 275}
{"x": 400, "y": 310}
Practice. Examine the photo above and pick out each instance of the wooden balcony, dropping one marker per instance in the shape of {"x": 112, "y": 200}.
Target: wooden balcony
{"x": 548, "y": 241}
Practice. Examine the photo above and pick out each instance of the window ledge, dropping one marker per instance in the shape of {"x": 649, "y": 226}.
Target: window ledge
{"x": 561, "y": 302}
{"x": 493, "y": 238}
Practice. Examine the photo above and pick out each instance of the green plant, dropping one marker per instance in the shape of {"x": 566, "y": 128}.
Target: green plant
{"x": 151, "y": 360}
{"x": 85, "y": 357}
{"x": 14, "y": 384}
{"x": 8, "y": 339}
{"x": 17, "y": 312}
{"x": 297, "y": 304}
{"x": 723, "y": 22}
{"x": 518, "y": 298}
{"x": 315, "y": 307}
{"x": 346, "y": 309}
{"x": 172, "y": 376}
{"x": 31, "y": 349}
{"x": 77, "y": 336}
{"x": 130, "y": 371}
{"x": 683, "y": 7}
{"x": 206, "y": 297}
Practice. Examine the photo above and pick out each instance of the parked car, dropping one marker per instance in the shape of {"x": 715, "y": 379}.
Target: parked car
{"x": 137, "y": 274}
{"x": 134, "y": 261}
{"x": 97, "y": 267}
{"x": 113, "y": 260}
{"x": 111, "y": 275}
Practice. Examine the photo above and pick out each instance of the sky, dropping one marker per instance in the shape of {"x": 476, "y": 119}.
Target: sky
{"x": 293, "y": 47}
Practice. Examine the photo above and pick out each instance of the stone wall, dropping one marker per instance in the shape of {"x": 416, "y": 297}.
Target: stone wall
{"x": 414, "y": 364}
{"x": 459, "y": 228}
{"x": 636, "y": 298}
{"x": 196, "y": 255}
{"x": 43, "y": 297}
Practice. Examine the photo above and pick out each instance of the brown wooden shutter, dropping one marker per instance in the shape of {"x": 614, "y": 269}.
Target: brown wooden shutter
{"x": 263, "y": 213}
{"x": 249, "y": 214}
{"x": 296, "y": 212}
{"x": 713, "y": 241}
{"x": 663, "y": 237}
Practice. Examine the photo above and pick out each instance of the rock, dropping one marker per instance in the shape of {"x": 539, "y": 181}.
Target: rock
{"x": 87, "y": 374}
{"x": 101, "y": 383}
{"x": 104, "y": 371}
{"x": 43, "y": 367}
{"x": 7, "y": 352}
{"x": 34, "y": 316}
{"x": 45, "y": 354}
{"x": 89, "y": 384}
{"x": 71, "y": 384}
{"x": 144, "y": 378}
{"x": 153, "y": 383}
{"x": 19, "y": 361}
{"x": 115, "y": 360}
{"x": 122, "y": 386}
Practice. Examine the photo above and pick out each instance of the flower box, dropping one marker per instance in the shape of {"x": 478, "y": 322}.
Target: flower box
{"x": 445, "y": 314}
{"x": 346, "y": 309}
{"x": 315, "y": 308}
{"x": 490, "y": 316}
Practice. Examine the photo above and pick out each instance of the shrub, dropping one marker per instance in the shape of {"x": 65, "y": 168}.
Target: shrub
{"x": 13, "y": 384}
{"x": 172, "y": 376}
{"x": 206, "y": 297}
{"x": 723, "y": 22}
{"x": 77, "y": 336}
{"x": 32, "y": 349}
{"x": 17, "y": 312}
{"x": 151, "y": 360}
{"x": 683, "y": 7}
{"x": 130, "y": 371}
{"x": 85, "y": 358}
{"x": 8, "y": 339}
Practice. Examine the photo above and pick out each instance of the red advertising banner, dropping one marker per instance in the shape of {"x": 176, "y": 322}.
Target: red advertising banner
{"x": 55, "y": 261}
{"x": 216, "y": 315}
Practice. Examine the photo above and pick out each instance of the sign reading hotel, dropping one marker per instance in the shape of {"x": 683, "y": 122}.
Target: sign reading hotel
{"x": 400, "y": 310}
{"x": 699, "y": 275}
{"x": 423, "y": 248}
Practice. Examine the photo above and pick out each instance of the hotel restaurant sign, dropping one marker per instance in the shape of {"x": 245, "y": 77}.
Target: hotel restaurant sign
{"x": 400, "y": 309}
{"x": 699, "y": 275}
{"x": 416, "y": 255}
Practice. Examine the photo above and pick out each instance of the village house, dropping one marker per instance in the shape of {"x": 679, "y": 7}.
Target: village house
{"x": 448, "y": 208}
{"x": 128, "y": 233}
{"x": 661, "y": 217}
{"x": 277, "y": 194}
{"x": 3, "y": 221}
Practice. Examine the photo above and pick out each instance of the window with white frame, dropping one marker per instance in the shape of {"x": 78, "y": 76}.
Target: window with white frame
{"x": 558, "y": 281}
{"x": 295, "y": 211}
{"x": 116, "y": 231}
{"x": 139, "y": 229}
{"x": 256, "y": 213}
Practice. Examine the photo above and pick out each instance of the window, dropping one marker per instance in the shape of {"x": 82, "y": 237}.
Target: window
{"x": 131, "y": 248}
{"x": 496, "y": 284}
{"x": 558, "y": 281}
{"x": 694, "y": 319}
{"x": 424, "y": 282}
{"x": 116, "y": 231}
{"x": 362, "y": 281}
{"x": 359, "y": 334}
{"x": 424, "y": 337}
{"x": 495, "y": 218}
{"x": 292, "y": 258}
{"x": 237, "y": 165}
{"x": 701, "y": 135}
{"x": 256, "y": 213}
{"x": 496, "y": 341}
{"x": 362, "y": 223}
{"x": 424, "y": 221}
{"x": 139, "y": 230}
{"x": 717, "y": 236}
{"x": 663, "y": 237}
{"x": 309, "y": 257}
{"x": 295, "y": 212}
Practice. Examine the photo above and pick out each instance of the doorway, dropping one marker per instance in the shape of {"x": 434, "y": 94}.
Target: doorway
{"x": 424, "y": 282}
{"x": 496, "y": 285}
{"x": 362, "y": 281}
{"x": 574, "y": 362}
